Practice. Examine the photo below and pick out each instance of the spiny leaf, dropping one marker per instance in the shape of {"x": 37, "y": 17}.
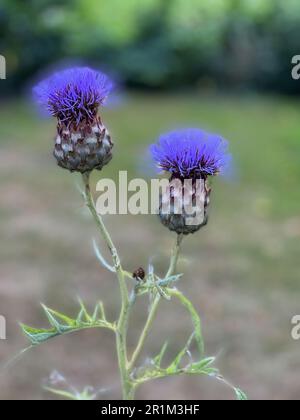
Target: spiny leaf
{"x": 101, "y": 258}
{"x": 176, "y": 362}
{"x": 38, "y": 336}
{"x": 85, "y": 395}
{"x": 102, "y": 310}
{"x": 80, "y": 317}
{"x": 83, "y": 312}
{"x": 158, "y": 359}
{"x": 169, "y": 280}
{"x": 55, "y": 324}
{"x": 203, "y": 364}
{"x": 194, "y": 316}
{"x": 240, "y": 395}
{"x": 61, "y": 393}
{"x": 96, "y": 312}
{"x": 207, "y": 371}
{"x": 54, "y": 316}
{"x": 163, "y": 293}
{"x": 62, "y": 324}
{"x": 78, "y": 396}
{"x": 150, "y": 269}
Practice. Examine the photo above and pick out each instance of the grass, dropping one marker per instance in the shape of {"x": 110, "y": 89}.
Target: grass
{"x": 243, "y": 270}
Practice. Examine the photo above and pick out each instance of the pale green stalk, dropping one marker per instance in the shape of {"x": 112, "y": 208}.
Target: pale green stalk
{"x": 155, "y": 304}
{"x": 128, "y": 385}
{"x": 121, "y": 331}
{"x": 131, "y": 375}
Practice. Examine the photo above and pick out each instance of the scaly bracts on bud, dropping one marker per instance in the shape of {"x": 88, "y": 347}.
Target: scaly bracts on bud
{"x": 184, "y": 206}
{"x": 74, "y": 96}
{"x": 194, "y": 155}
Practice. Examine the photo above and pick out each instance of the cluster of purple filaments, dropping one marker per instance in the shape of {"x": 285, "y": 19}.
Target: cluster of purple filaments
{"x": 191, "y": 153}
{"x": 73, "y": 95}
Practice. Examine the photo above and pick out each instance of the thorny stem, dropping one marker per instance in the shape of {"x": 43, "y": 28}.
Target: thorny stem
{"x": 121, "y": 331}
{"x": 155, "y": 304}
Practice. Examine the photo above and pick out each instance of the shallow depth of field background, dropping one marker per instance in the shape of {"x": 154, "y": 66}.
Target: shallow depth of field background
{"x": 224, "y": 65}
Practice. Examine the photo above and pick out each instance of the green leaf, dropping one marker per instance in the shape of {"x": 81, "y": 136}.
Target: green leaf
{"x": 150, "y": 269}
{"x": 240, "y": 395}
{"x": 38, "y": 336}
{"x": 169, "y": 280}
{"x": 99, "y": 312}
{"x": 203, "y": 364}
{"x": 54, "y": 317}
{"x": 85, "y": 395}
{"x": 62, "y": 324}
{"x": 194, "y": 316}
{"x": 102, "y": 311}
{"x": 83, "y": 313}
{"x": 209, "y": 372}
{"x": 163, "y": 293}
{"x": 102, "y": 259}
{"x": 158, "y": 359}
{"x": 176, "y": 362}
{"x": 60, "y": 393}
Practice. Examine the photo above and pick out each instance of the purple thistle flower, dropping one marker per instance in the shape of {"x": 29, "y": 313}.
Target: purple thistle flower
{"x": 82, "y": 142}
{"x": 191, "y": 153}
{"x": 73, "y": 95}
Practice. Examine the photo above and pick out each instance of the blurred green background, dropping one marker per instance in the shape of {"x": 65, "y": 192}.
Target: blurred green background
{"x": 224, "y": 65}
{"x": 155, "y": 44}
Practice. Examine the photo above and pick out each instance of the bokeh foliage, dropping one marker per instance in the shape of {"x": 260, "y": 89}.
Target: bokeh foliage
{"x": 156, "y": 43}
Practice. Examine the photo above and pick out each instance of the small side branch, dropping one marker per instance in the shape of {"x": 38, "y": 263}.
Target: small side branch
{"x": 155, "y": 304}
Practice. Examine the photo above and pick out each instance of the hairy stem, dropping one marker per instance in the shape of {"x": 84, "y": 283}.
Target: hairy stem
{"x": 155, "y": 304}
{"x": 121, "y": 331}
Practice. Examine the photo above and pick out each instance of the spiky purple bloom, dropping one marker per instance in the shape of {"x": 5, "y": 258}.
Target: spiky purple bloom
{"x": 73, "y": 95}
{"x": 191, "y": 153}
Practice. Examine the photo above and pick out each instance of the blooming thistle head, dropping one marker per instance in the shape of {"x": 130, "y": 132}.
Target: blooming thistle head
{"x": 189, "y": 154}
{"x": 74, "y": 96}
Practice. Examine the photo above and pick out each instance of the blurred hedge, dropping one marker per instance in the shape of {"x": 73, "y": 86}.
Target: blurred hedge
{"x": 245, "y": 44}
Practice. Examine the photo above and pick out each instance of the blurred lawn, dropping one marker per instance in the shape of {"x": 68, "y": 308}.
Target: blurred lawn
{"x": 242, "y": 270}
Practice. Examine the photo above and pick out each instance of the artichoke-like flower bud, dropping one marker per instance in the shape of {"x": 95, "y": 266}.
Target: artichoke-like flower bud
{"x": 190, "y": 156}
{"x": 83, "y": 149}
{"x": 184, "y": 209}
{"x": 74, "y": 96}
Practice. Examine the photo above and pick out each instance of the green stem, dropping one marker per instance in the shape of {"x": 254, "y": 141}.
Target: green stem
{"x": 121, "y": 331}
{"x": 142, "y": 339}
{"x": 155, "y": 304}
{"x": 98, "y": 219}
{"x": 194, "y": 316}
{"x": 175, "y": 256}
